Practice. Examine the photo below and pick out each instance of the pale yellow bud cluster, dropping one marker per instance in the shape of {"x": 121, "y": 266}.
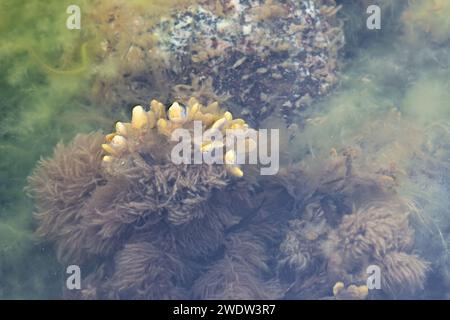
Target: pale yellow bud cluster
{"x": 163, "y": 122}
{"x": 352, "y": 292}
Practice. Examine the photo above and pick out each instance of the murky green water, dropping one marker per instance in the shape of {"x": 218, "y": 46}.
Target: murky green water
{"x": 391, "y": 103}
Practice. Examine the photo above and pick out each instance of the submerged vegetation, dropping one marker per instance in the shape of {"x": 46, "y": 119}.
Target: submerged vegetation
{"x": 149, "y": 222}
{"x": 365, "y": 181}
{"x": 45, "y": 84}
{"x": 151, "y": 229}
{"x": 428, "y": 20}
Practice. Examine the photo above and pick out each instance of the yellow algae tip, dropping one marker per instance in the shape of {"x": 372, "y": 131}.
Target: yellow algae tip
{"x": 176, "y": 113}
{"x": 158, "y": 121}
{"x": 121, "y": 129}
{"x": 108, "y": 149}
{"x": 338, "y": 287}
{"x": 139, "y": 118}
{"x": 235, "y": 171}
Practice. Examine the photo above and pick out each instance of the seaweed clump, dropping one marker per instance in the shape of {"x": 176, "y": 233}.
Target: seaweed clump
{"x": 349, "y": 221}
{"x": 377, "y": 235}
{"x": 142, "y": 227}
{"x": 59, "y": 183}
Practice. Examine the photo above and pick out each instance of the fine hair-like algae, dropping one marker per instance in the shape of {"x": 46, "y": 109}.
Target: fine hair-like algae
{"x": 149, "y": 229}
{"x": 124, "y": 204}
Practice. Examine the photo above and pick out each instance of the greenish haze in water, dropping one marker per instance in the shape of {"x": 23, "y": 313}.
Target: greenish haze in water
{"x": 38, "y": 108}
{"x": 41, "y": 103}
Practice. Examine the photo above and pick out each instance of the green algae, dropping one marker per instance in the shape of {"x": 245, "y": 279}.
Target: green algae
{"x": 77, "y": 70}
{"x": 46, "y": 72}
{"x": 46, "y": 75}
{"x": 38, "y": 107}
{"x": 393, "y": 106}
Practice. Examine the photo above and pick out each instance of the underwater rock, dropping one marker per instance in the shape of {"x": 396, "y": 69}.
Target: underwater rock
{"x": 269, "y": 56}
{"x": 126, "y": 71}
